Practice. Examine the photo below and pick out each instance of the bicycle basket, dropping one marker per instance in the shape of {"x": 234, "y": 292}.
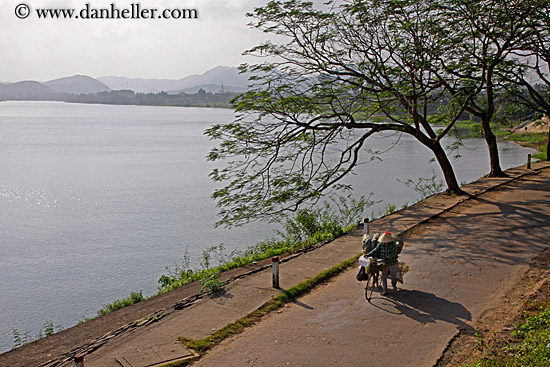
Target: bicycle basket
{"x": 372, "y": 267}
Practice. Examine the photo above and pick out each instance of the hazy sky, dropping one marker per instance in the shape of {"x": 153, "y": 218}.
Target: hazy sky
{"x": 45, "y": 49}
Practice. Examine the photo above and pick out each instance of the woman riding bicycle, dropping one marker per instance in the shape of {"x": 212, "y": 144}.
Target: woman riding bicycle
{"x": 387, "y": 250}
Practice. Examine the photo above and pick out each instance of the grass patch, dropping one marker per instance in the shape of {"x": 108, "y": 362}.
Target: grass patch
{"x": 133, "y": 298}
{"x": 20, "y": 339}
{"x": 531, "y": 346}
{"x": 531, "y": 140}
{"x": 203, "y": 345}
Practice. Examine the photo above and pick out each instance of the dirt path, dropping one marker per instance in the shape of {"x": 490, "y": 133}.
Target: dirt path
{"x": 493, "y": 329}
{"x": 472, "y": 264}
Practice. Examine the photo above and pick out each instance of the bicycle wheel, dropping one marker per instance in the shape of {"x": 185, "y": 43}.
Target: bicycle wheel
{"x": 369, "y": 287}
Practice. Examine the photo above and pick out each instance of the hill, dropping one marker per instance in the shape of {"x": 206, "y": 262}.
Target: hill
{"x": 140, "y": 85}
{"x": 26, "y": 90}
{"x": 77, "y": 84}
{"x": 210, "y": 81}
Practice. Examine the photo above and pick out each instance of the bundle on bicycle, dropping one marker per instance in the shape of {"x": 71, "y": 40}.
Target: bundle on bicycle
{"x": 380, "y": 260}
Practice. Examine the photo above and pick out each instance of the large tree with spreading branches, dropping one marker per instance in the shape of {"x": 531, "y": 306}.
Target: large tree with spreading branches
{"x": 339, "y": 74}
{"x": 487, "y": 35}
{"x": 529, "y": 75}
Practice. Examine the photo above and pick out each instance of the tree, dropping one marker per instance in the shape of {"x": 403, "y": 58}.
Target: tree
{"x": 486, "y": 34}
{"x": 344, "y": 73}
{"x": 541, "y": 50}
{"x": 532, "y": 69}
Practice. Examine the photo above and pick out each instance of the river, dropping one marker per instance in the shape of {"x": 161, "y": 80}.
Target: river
{"x": 97, "y": 200}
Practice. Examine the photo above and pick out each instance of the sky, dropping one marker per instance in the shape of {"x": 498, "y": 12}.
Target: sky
{"x": 44, "y": 49}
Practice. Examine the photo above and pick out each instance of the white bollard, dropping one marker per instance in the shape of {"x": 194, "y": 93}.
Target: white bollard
{"x": 275, "y": 268}
{"x": 79, "y": 361}
{"x": 366, "y": 225}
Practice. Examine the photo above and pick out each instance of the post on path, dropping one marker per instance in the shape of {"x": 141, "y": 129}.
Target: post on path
{"x": 528, "y": 161}
{"x": 275, "y": 268}
{"x": 78, "y": 361}
{"x": 366, "y": 225}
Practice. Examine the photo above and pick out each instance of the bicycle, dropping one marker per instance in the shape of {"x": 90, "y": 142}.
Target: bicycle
{"x": 375, "y": 274}
{"x": 373, "y": 268}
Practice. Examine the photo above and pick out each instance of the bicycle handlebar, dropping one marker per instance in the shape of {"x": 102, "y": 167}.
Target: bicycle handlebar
{"x": 377, "y": 260}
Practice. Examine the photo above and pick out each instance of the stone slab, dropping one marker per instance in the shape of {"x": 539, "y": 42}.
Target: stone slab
{"x": 155, "y": 356}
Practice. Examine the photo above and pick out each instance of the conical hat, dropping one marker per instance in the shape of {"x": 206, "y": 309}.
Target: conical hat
{"x": 386, "y": 237}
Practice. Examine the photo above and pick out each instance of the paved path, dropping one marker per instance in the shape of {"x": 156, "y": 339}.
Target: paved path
{"x": 460, "y": 262}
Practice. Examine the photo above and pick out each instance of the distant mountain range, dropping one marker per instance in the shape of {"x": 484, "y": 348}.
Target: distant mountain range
{"x": 218, "y": 79}
{"x": 214, "y": 80}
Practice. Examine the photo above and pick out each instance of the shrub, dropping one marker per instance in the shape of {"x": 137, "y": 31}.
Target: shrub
{"x": 134, "y": 297}
{"x": 305, "y": 229}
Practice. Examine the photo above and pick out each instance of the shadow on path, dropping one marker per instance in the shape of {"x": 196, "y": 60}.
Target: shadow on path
{"x": 298, "y": 303}
{"x": 423, "y": 307}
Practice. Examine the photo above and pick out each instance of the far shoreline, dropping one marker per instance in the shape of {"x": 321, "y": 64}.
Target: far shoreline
{"x": 221, "y": 106}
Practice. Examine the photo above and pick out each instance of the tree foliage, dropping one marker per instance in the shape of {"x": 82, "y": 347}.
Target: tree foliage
{"x": 487, "y": 36}
{"x": 529, "y": 80}
{"x": 129, "y": 97}
{"x": 339, "y": 74}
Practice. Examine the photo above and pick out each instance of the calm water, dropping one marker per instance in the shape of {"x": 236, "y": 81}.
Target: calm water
{"x": 96, "y": 201}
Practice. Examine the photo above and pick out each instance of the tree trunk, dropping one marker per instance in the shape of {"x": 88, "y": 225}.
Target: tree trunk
{"x": 491, "y": 141}
{"x": 448, "y": 172}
